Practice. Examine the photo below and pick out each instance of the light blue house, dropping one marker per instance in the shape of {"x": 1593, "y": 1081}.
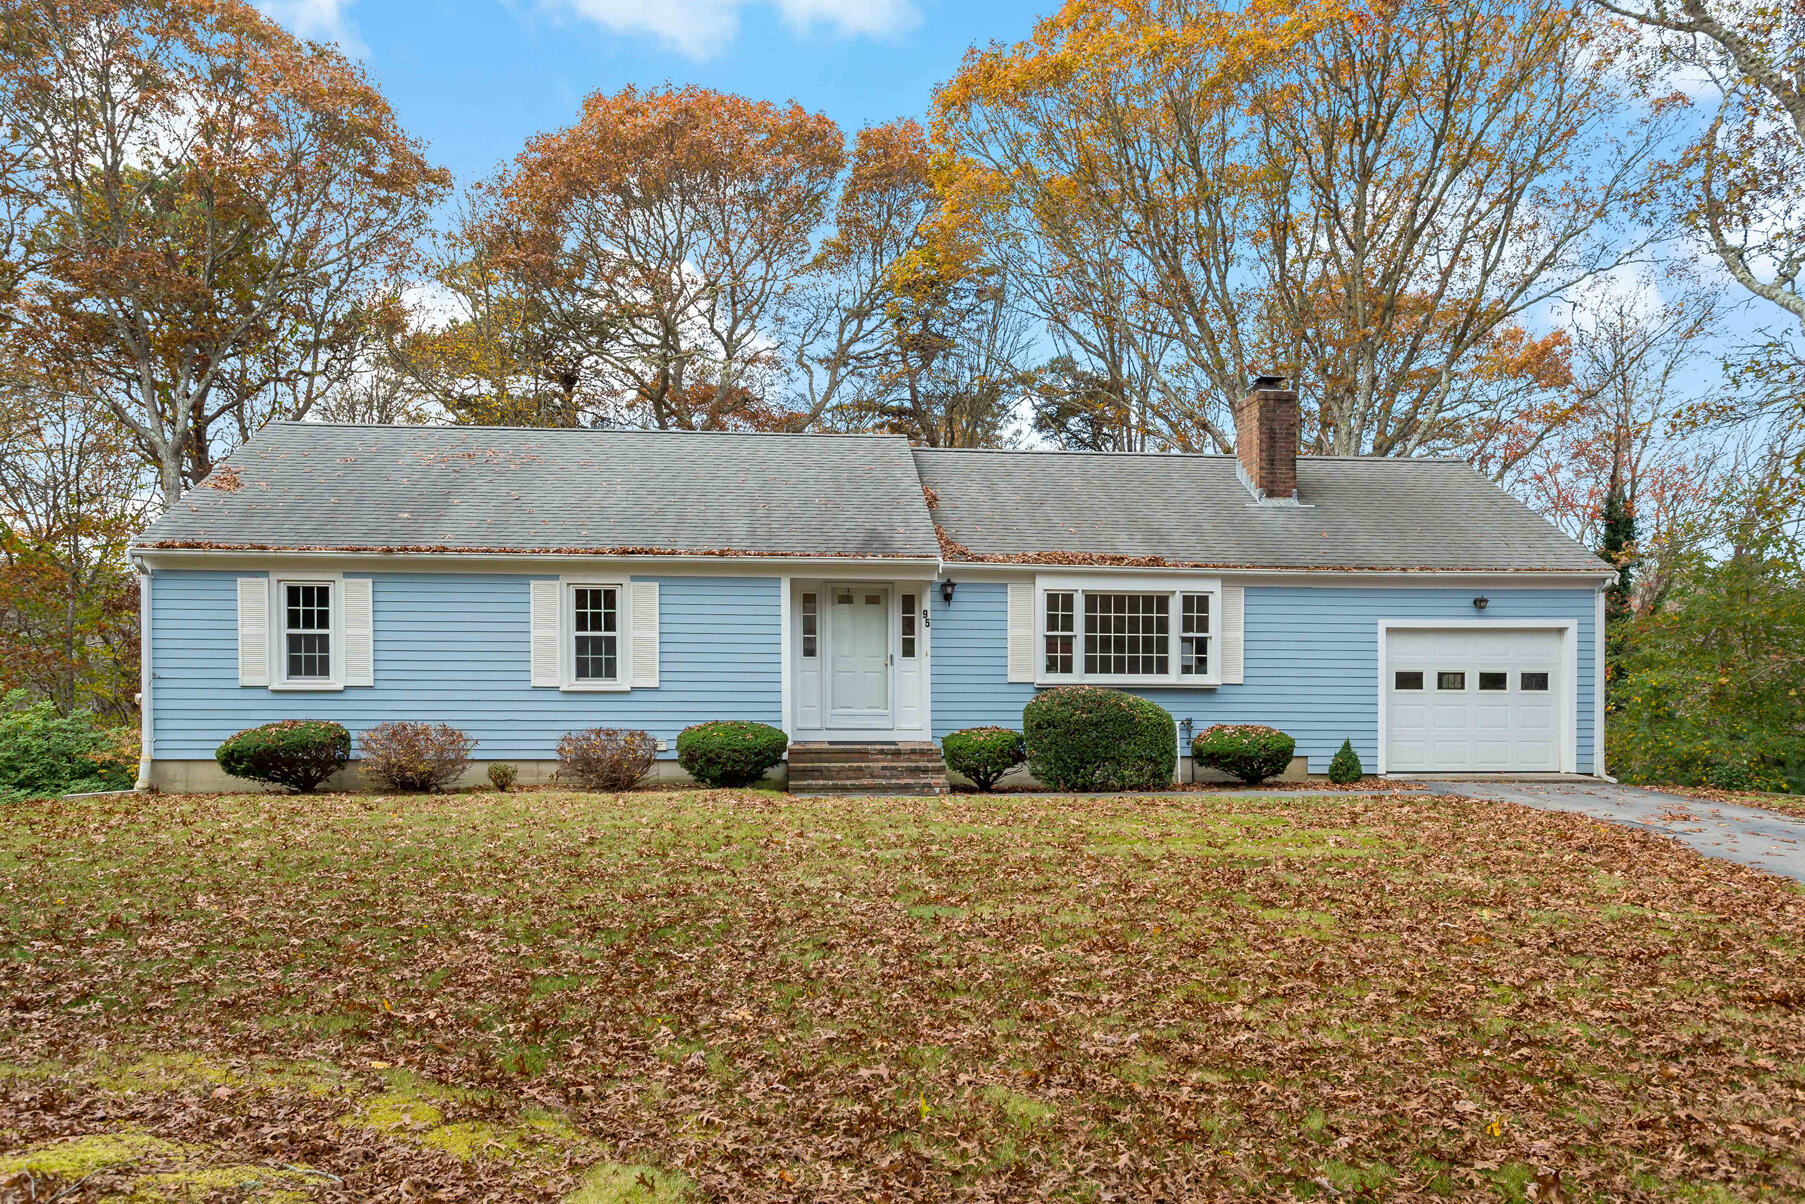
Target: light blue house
{"x": 853, "y": 590}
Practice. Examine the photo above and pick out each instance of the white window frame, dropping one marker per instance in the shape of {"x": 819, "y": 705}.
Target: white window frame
{"x": 1173, "y": 588}
{"x": 278, "y": 627}
{"x": 567, "y": 636}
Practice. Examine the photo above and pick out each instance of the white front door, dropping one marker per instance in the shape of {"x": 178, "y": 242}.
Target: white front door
{"x": 858, "y": 648}
{"x": 1465, "y": 700}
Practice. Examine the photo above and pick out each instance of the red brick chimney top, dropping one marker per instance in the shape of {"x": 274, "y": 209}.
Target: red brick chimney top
{"x": 1266, "y": 439}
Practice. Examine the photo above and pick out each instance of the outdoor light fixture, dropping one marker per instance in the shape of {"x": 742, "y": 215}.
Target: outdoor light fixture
{"x": 946, "y": 592}
{"x": 1481, "y": 602}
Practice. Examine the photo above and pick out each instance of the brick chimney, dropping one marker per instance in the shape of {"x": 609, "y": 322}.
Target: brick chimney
{"x": 1266, "y": 437}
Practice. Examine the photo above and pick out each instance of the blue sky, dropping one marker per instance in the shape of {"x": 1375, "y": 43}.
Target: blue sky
{"x": 476, "y": 78}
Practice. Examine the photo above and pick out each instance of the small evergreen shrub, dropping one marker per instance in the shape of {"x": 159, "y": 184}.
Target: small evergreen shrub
{"x": 414, "y": 756}
{"x": 605, "y": 758}
{"x": 1247, "y": 751}
{"x": 1345, "y": 767}
{"x": 1730, "y": 775}
{"x": 1091, "y": 738}
{"x": 730, "y": 752}
{"x": 44, "y": 752}
{"x": 984, "y": 754}
{"x": 297, "y": 753}
{"x": 502, "y": 775}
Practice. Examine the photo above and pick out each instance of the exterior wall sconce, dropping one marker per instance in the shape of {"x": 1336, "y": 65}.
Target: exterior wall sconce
{"x": 946, "y": 592}
{"x": 1481, "y": 602}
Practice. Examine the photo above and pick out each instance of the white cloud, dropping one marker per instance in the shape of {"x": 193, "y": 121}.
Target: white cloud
{"x": 318, "y": 21}
{"x": 701, "y": 28}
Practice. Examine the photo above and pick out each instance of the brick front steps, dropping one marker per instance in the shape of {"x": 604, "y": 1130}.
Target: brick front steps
{"x": 907, "y": 767}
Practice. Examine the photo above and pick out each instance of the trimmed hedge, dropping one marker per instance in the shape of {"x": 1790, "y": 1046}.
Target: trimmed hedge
{"x": 1345, "y": 767}
{"x": 1248, "y": 751}
{"x": 730, "y": 752}
{"x": 1091, "y": 738}
{"x": 984, "y": 754}
{"x": 297, "y": 753}
{"x": 414, "y": 756}
{"x": 606, "y": 758}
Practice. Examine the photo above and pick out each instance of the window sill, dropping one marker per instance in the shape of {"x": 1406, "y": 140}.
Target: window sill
{"x": 594, "y": 688}
{"x": 1129, "y": 683}
{"x": 298, "y": 687}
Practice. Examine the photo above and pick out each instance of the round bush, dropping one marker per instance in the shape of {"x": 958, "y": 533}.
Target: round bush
{"x": 414, "y": 756}
{"x": 606, "y": 758}
{"x": 984, "y": 754}
{"x": 1244, "y": 750}
{"x": 502, "y": 774}
{"x": 1089, "y": 738}
{"x": 297, "y": 753}
{"x": 1345, "y": 767}
{"x": 730, "y": 752}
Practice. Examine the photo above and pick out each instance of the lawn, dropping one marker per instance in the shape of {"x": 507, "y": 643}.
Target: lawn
{"x": 743, "y": 996}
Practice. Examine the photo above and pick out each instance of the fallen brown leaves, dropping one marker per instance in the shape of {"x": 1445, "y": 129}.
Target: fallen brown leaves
{"x": 1780, "y": 804}
{"x": 876, "y": 999}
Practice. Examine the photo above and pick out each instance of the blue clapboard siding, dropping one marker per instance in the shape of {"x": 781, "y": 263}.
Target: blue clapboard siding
{"x": 454, "y": 649}
{"x": 1311, "y": 660}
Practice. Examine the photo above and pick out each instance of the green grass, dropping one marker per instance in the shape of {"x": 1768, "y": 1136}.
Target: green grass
{"x": 743, "y": 996}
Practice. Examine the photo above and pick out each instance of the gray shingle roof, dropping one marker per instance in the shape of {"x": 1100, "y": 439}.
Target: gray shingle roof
{"x": 311, "y": 485}
{"x": 499, "y": 489}
{"x": 1194, "y": 510}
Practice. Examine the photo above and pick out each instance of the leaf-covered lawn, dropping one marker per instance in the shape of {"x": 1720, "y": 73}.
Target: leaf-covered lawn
{"x": 744, "y": 996}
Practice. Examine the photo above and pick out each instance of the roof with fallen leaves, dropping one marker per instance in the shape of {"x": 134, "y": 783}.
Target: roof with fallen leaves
{"x": 316, "y": 486}
{"x": 310, "y": 485}
{"x": 1150, "y": 509}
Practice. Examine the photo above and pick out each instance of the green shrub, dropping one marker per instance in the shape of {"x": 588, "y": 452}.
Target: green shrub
{"x": 984, "y": 754}
{"x": 606, "y": 758}
{"x": 414, "y": 756}
{"x": 1247, "y": 751}
{"x": 1704, "y": 689}
{"x": 45, "y": 753}
{"x": 1090, "y": 738}
{"x": 730, "y": 752}
{"x": 502, "y": 775}
{"x": 1345, "y": 766}
{"x": 297, "y": 753}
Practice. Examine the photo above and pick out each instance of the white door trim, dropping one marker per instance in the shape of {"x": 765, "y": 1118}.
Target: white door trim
{"x": 797, "y": 681}
{"x": 1569, "y": 700}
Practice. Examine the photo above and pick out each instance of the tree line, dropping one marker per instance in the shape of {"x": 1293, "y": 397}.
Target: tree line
{"x": 1560, "y": 239}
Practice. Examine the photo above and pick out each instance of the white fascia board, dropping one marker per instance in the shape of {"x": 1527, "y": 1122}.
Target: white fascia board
{"x": 1335, "y": 578}
{"x": 870, "y": 568}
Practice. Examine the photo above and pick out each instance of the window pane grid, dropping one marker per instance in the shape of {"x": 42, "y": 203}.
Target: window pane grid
{"x": 811, "y": 625}
{"x": 307, "y": 630}
{"x": 1193, "y": 635}
{"x": 596, "y": 615}
{"x": 909, "y": 619}
{"x": 1126, "y": 635}
{"x": 1060, "y": 631}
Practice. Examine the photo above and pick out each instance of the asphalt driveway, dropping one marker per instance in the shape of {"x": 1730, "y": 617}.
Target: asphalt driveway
{"x": 1758, "y": 838}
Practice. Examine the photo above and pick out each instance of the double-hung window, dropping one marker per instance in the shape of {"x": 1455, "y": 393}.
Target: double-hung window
{"x": 1128, "y": 633}
{"x": 306, "y": 648}
{"x": 595, "y": 635}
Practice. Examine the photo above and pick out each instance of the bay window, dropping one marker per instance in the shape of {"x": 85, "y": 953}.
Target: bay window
{"x": 1128, "y": 633}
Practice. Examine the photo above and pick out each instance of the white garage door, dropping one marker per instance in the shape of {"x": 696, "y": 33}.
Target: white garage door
{"x": 1472, "y": 700}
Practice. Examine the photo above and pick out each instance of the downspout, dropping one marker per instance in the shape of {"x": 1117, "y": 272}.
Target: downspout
{"x": 145, "y": 726}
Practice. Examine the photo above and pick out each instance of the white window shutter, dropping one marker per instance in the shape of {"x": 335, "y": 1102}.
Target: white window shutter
{"x": 645, "y": 633}
{"x": 253, "y": 631}
{"x": 1234, "y": 625}
{"x": 360, "y": 618}
{"x": 545, "y": 633}
{"x": 1021, "y": 632}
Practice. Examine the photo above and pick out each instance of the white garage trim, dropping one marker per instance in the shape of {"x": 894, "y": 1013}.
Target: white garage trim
{"x": 1569, "y": 699}
{"x": 1598, "y": 769}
